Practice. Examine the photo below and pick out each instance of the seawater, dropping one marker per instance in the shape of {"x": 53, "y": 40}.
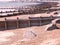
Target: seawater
{"x": 14, "y": 5}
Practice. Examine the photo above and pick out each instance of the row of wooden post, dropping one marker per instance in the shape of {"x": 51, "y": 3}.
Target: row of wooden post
{"x": 19, "y": 23}
{"x": 6, "y": 23}
{"x": 29, "y": 22}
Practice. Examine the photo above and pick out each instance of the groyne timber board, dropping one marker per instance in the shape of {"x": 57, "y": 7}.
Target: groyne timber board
{"x": 22, "y": 23}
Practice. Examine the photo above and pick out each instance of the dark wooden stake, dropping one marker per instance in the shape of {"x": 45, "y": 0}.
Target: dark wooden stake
{"x": 17, "y": 22}
{"x": 29, "y": 23}
{"x": 40, "y": 21}
{"x": 5, "y": 23}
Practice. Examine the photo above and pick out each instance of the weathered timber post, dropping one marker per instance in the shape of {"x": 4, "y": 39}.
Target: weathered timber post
{"x": 17, "y": 22}
{"x": 40, "y": 21}
{"x": 29, "y": 23}
{"x": 51, "y": 17}
{"x": 5, "y": 23}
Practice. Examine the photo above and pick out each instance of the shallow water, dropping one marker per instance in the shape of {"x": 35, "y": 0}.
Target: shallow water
{"x": 16, "y": 4}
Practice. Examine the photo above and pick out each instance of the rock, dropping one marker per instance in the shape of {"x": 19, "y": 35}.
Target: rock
{"x": 51, "y": 27}
{"x": 55, "y": 24}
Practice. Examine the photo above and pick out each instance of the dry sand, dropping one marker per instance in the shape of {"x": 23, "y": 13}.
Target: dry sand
{"x": 44, "y": 37}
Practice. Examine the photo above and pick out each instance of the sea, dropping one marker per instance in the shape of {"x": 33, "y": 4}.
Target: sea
{"x": 5, "y": 5}
{"x": 15, "y": 4}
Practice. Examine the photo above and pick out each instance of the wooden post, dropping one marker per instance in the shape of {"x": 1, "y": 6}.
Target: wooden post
{"x": 40, "y": 21}
{"x": 17, "y": 22}
{"x": 5, "y": 23}
{"x": 29, "y": 22}
{"x": 51, "y": 17}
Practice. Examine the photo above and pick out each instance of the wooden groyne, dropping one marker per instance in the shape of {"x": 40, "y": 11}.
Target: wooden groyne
{"x": 22, "y": 23}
